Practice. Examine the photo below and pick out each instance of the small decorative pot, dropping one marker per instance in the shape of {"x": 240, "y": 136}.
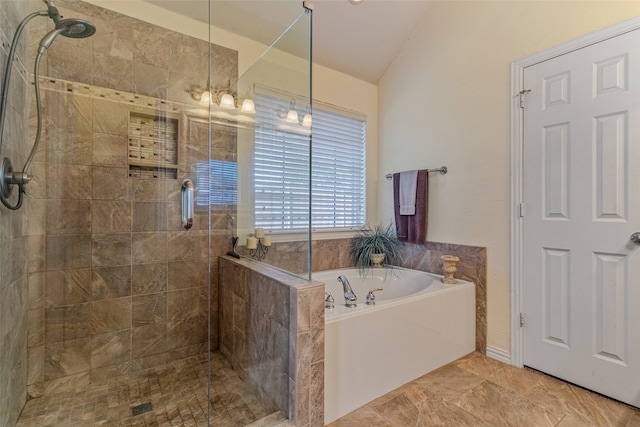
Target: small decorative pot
{"x": 449, "y": 267}
{"x": 377, "y": 260}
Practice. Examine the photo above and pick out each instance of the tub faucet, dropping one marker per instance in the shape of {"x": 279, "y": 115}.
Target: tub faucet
{"x": 371, "y": 298}
{"x": 350, "y": 299}
{"x": 329, "y": 302}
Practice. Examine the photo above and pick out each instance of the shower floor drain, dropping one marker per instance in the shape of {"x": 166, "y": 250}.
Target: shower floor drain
{"x": 141, "y": 409}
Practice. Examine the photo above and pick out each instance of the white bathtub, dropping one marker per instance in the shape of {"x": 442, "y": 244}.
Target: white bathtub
{"x": 417, "y": 325}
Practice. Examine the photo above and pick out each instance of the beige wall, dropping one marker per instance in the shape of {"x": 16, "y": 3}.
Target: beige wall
{"x": 445, "y": 101}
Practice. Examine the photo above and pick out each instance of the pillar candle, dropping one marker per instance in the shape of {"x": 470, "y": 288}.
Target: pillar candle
{"x": 266, "y": 241}
{"x": 252, "y": 243}
{"x": 259, "y": 233}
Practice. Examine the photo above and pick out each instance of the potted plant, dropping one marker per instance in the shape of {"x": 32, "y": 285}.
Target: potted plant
{"x": 373, "y": 247}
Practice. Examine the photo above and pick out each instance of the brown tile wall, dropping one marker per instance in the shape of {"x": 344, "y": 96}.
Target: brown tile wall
{"x": 115, "y": 284}
{"x": 14, "y": 303}
{"x": 272, "y": 331}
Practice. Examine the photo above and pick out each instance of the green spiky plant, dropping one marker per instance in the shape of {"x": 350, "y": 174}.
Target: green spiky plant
{"x": 377, "y": 240}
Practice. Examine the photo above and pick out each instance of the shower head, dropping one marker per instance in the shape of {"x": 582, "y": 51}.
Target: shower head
{"x": 76, "y": 28}
{"x": 73, "y": 27}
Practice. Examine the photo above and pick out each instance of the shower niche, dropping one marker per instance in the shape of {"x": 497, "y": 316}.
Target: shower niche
{"x": 153, "y": 146}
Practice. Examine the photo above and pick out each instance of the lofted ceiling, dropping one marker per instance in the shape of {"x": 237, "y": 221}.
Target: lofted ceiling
{"x": 358, "y": 40}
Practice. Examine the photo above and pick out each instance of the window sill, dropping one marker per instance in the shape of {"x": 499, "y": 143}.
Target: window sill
{"x": 297, "y": 236}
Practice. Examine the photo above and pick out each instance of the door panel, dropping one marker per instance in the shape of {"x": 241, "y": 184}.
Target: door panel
{"x": 581, "y": 293}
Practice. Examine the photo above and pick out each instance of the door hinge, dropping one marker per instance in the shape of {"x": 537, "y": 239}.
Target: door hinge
{"x": 522, "y": 94}
{"x": 522, "y": 210}
{"x": 521, "y": 320}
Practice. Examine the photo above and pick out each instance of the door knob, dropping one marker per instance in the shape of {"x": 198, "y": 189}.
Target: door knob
{"x": 635, "y": 238}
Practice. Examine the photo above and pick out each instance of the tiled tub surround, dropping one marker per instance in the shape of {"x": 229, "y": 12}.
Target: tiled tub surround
{"x": 472, "y": 267}
{"x": 115, "y": 285}
{"x": 272, "y": 331}
{"x": 334, "y": 253}
{"x": 13, "y": 226}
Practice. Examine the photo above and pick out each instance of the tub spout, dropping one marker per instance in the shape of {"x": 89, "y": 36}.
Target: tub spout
{"x": 350, "y": 299}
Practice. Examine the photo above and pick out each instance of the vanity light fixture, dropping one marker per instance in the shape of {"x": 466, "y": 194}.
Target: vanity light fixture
{"x": 222, "y": 96}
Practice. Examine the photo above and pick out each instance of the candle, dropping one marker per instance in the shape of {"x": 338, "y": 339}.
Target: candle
{"x": 252, "y": 243}
{"x": 266, "y": 241}
{"x": 259, "y": 233}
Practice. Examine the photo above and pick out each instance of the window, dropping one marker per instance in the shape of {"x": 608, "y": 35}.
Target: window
{"x": 217, "y": 183}
{"x": 281, "y": 167}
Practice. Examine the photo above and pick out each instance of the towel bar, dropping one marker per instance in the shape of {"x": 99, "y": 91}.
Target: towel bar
{"x": 443, "y": 170}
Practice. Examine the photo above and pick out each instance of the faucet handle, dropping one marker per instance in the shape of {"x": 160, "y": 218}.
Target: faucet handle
{"x": 329, "y": 302}
{"x": 371, "y": 298}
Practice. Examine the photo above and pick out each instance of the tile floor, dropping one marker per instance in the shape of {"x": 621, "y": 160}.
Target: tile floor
{"x": 478, "y": 391}
{"x": 177, "y": 391}
{"x": 472, "y": 391}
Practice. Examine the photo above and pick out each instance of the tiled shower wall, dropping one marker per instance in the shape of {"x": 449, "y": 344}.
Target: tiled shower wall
{"x": 115, "y": 284}
{"x": 13, "y": 240}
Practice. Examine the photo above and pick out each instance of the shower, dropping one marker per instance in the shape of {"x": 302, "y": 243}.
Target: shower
{"x": 110, "y": 297}
{"x": 73, "y": 28}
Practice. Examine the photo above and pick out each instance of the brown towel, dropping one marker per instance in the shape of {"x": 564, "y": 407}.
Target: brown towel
{"x": 412, "y": 228}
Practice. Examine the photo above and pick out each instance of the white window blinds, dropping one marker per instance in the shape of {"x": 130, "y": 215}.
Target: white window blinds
{"x": 217, "y": 183}
{"x": 281, "y": 168}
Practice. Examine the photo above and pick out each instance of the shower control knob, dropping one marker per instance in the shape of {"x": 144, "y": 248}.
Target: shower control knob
{"x": 635, "y": 238}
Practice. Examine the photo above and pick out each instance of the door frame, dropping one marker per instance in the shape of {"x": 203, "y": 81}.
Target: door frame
{"x": 517, "y": 140}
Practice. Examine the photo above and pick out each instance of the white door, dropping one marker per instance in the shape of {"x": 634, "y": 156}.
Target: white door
{"x": 581, "y": 271}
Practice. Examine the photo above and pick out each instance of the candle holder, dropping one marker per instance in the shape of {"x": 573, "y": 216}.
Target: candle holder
{"x": 261, "y": 250}
{"x": 258, "y": 244}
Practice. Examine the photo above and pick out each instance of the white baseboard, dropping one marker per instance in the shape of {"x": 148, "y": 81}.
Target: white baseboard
{"x": 501, "y": 355}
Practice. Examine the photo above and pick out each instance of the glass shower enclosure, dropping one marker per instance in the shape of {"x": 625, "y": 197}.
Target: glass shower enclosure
{"x": 144, "y": 176}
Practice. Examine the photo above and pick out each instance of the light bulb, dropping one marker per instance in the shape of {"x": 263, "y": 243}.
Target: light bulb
{"x": 248, "y": 106}
{"x": 205, "y": 99}
{"x": 292, "y": 116}
{"x": 307, "y": 120}
{"x": 227, "y": 102}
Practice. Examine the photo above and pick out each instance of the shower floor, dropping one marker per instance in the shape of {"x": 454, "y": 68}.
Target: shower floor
{"x": 177, "y": 393}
